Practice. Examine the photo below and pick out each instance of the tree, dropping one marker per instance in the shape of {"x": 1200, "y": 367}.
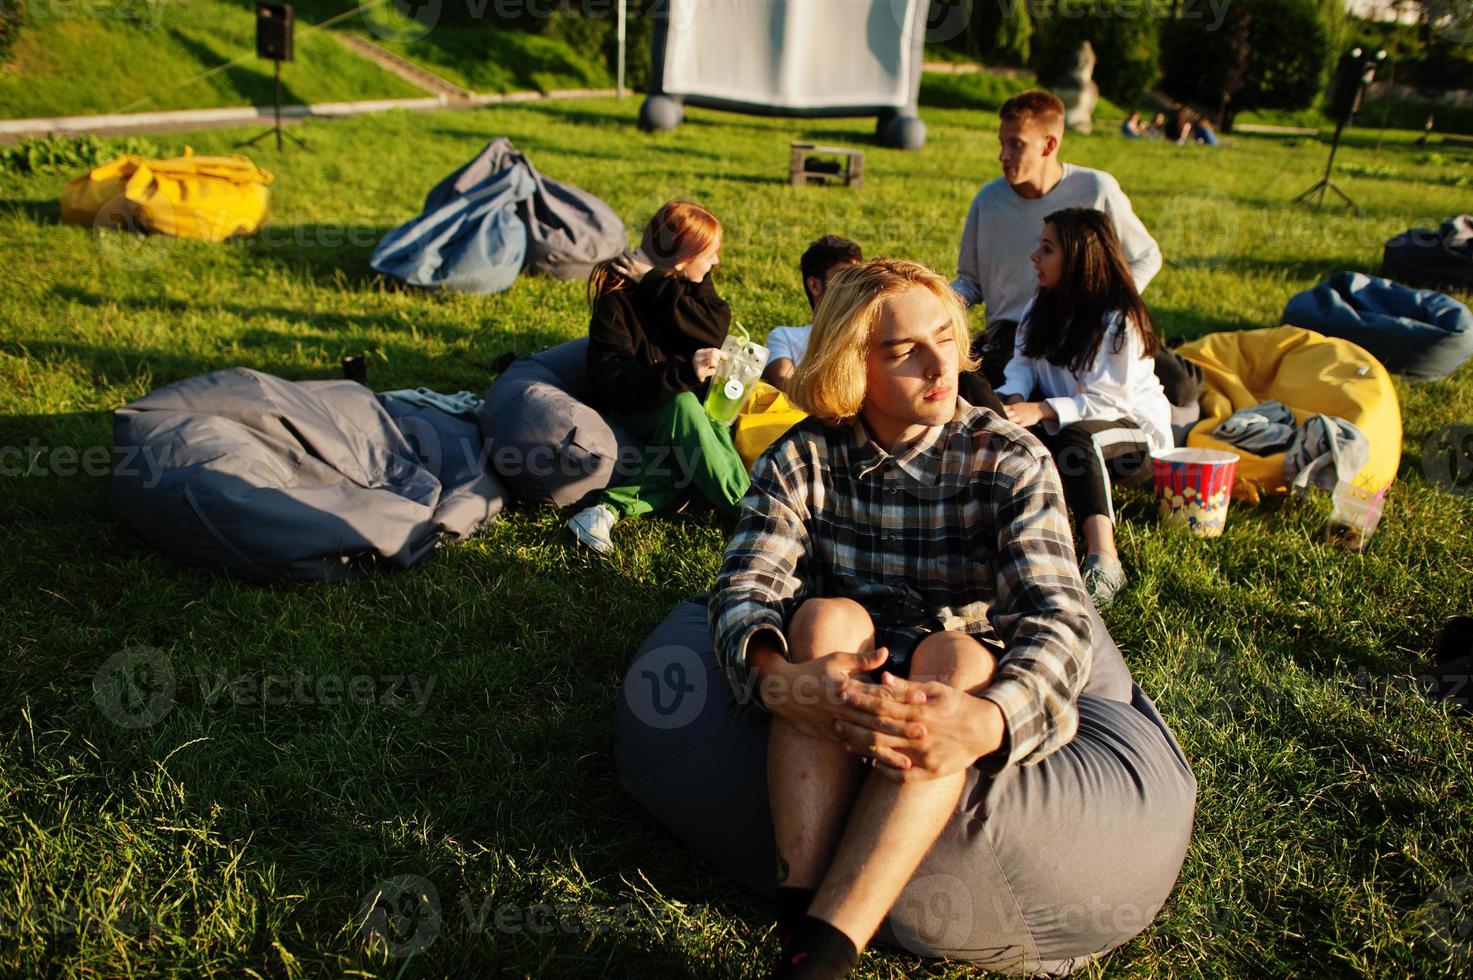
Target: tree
{"x": 1288, "y": 48}
{"x": 1124, "y": 36}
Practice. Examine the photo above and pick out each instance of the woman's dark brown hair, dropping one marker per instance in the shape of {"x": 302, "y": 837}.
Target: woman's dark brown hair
{"x": 1069, "y": 319}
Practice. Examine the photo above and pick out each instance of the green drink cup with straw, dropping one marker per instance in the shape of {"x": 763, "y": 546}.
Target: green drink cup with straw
{"x": 741, "y": 365}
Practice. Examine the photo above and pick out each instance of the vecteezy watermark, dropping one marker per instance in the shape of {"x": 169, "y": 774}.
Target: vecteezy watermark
{"x": 1447, "y": 458}
{"x": 666, "y": 687}
{"x": 407, "y": 20}
{"x": 122, "y": 228}
{"x": 933, "y": 913}
{"x": 1201, "y": 228}
{"x": 135, "y": 687}
{"x": 138, "y": 688}
{"x": 403, "y": 916}
{"x": 400, "y": 916}
{"x": 945, "y": 21}
{"x": 1447, "y": 918}
{"x": 1454, "y": 689}
{"x": 42, "y": 460}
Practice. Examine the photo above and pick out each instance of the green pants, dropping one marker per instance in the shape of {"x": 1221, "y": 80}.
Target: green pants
{"x": 684, "y": 448}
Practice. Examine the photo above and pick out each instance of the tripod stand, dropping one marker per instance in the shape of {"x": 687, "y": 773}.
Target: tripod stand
{"x": 291, "y": 136}
{"x": 1326, "y": 183}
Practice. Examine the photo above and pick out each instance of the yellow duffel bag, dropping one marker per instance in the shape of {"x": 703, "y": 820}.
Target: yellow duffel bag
{"x": 212, "y": 198}
{"x": 767, "y": 415}
{"x": 1311, "y": 374}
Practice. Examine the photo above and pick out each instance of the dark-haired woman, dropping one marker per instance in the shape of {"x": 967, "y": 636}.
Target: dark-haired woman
{"x": 1083, "y": 378}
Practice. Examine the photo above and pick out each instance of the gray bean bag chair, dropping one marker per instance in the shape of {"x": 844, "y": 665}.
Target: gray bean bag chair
{"x": 1440, "y": 258}
{"x": 1418, "y": 333}
{"x": 543, "y": 440}
{"x": 272, "y": 479}
{"x": 1041, "y": 870}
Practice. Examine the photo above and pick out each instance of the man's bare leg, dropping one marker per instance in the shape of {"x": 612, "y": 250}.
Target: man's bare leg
{"x": 811, "y": 781}
{"x": 893, "y": 825}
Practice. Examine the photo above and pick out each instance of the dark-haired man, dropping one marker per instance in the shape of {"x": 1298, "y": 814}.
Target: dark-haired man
{"x": 787, "y": 345}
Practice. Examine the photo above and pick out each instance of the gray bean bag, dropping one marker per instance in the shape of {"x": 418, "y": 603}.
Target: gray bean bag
{"x": 273, "y": 479}
{"x": 1418, "y": 333}
{"x": 1041, "y": 870}
{"x": 568, "y": 230}
{"x": 548, "y": 445}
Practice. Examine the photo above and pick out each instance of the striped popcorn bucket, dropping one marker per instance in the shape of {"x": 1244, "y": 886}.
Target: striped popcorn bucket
{"x": 1193, "y": 487}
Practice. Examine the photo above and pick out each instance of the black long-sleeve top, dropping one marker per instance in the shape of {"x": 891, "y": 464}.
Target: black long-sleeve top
{"x": 644, "y": 336}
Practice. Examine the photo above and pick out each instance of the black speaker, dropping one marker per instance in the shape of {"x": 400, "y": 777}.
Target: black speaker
{"x": 274, "y": 23}
{"x": 1355, "y": 71}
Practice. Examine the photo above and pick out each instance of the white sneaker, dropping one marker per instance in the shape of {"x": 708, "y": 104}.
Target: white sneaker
{"x": 592, "y": 527}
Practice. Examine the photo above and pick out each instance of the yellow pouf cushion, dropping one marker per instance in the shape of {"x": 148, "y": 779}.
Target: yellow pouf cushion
{"x": 212, "y": 198}
{"x": 767, "y": 415}
{"x": 1310, "y": 373}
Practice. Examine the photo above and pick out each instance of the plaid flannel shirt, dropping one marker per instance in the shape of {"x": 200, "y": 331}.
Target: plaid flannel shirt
{"x": 965, "y": 529}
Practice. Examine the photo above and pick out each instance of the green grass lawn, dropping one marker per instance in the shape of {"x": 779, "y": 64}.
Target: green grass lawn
{"x": 99, "y": 56}
{"x": 1334, "y": 820}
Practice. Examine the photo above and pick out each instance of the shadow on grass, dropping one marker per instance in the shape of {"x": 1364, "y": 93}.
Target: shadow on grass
{"x": 391, "y": 363}
{"x": 252, "y": 87}
{"x": 328, "y": 253}
{"x": 43, "y": 212}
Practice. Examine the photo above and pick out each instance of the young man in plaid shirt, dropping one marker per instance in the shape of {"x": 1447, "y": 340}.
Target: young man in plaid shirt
{"x": 901, "y": 592}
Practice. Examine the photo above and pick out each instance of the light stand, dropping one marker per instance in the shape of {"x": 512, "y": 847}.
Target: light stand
{"x": 1352, "y": 75}
{"x": 275, "y": 24}
{"x": 277, "y": 127}
{"x": 1326, "y": 183}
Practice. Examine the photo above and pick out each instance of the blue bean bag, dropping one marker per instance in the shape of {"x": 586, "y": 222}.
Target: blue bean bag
{"x": 1421, "y": 334}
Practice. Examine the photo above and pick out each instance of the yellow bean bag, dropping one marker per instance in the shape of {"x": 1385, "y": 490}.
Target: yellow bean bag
{"x": 767, "y": 415}
{"x": 1310, "y": 373}
{"x": 211, "y": 198}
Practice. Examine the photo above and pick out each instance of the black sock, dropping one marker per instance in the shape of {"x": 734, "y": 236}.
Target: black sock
{"x": 817, "y": 951}
{"x": 792, "y": 905}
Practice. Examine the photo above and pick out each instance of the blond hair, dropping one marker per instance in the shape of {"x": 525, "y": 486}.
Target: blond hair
{"x": 830, "y": 380}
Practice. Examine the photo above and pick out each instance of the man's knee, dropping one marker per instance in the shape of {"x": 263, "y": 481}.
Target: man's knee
{"x": 829, "y": 625}
{"x": 953, "y": 658}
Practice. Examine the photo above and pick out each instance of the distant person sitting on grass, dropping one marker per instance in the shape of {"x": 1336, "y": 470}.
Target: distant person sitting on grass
{"x": 1132, "y": 128}
{"x": 653, "y": 344}
{"x": 1006, "y": 218}
{"x": 1157, "y": 129}
{"x": 786, "y": 345}
{"x": 1203, "y": 132}
{"x": 882, "y": 538}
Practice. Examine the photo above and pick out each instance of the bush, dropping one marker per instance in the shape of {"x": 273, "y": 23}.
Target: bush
{"x": 70, "y": 154}
{"x": 12, "y": 12}
{"x": 587, "y": 28}
{"x": 1123, "y": 33}
{"x": 1288, "y": 53}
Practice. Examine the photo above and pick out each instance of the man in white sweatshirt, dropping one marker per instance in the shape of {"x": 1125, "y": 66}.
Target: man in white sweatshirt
{"x": 1006, "y": 218}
